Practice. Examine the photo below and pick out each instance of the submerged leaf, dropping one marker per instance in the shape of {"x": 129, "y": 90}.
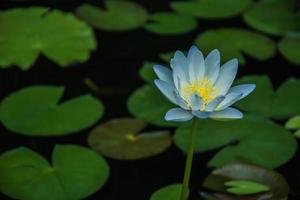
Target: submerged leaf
{"x": 253, "y": 139}
{"x": 120, "y": 139}
{"x": 171, "y": 192}
{"x": 289, "y": 46}
{"x": 118, "y": 16}
{"x": 32, "y": 31}
{"x": 147, "y": 73}
{"x": 76, "y": 172}
{"x": 237, "y": 43}
{"x": 36, "y": 111}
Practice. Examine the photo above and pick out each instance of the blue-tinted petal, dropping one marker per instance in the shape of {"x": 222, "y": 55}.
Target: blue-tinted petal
{"x": 178, "y": 114}
{"x": 228, "y": 113}
{"x": 226, "y": 77}
{"x": 200, "y": 114}
{"x": 179, "y": 74}
{"x": 245, "y": 89}
{"x": 196, "y": 101}
{"x": 163, "y": 73}
{"x": 180, "y": 101}
{"x": 230, "y": 99}
{"x": 166, "y": 89}
{"x": 212, "y": 65}
{"x": 214, "y": 103}
{"x": 195, "y": 64}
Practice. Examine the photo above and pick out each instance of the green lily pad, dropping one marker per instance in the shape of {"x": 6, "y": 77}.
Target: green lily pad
{"x": 289, "y": 47}
{"x": 244, "y": 187}
{"x": 32, "y": 31}
{"x": 293, "y": 123}
{"x": 281, "y": 104}
{"x": 277, "y": 184}
{"x": 149, "y": 104}
{"x": 37, "y": 111}
{"x": 167, "y": 23}
{"x": 171, "y": 192}
{"x": 147, "y": 73}
{"x": 120, "y": 139}
{"x": 253, "y": 139}
{"x": 275, "y": 17}
{"x": 297, "y": 133}
{"x": 75, "y": 173}
{"x": 237, "y": 43}
{"x": 118, "y": 15}
{"x": 212, "y": 9}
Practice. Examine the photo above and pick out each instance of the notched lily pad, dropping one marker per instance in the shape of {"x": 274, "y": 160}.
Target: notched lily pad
{"x": 118, "y": 15}
{"x": 280, "y": 104}
{"x": 75, "y": 173}
{"x": 149, "y": 104}
{"x": 276, "y": 183}
{"x": 57, "y": 35}
{"x": 171, "y": 192}
{"x": 289, "y": 47}
{"x": 237, "y": 43}
{"x": 275, "y": 17}
{"x": 36, "y": 111}
{"x": 253, "y": 139}
{"x": 120, "y": 139}
{"x": 168, "y": 23}
{"x": 212, "y": 9}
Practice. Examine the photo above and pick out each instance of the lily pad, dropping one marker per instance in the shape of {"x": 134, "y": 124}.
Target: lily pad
{"x": 118, "y": 15}
{"x": 279, "y": 187}
{"x": 168, "y": 23}
{"x": 280, "y": 104}
{"x": 244, "y": 187}
{"x": 120, "y": 139}
{"x": 293, "y": 123}
{"x": 253, "y": 139}
{"x": 57, "y": 35}
{"x": 289, "y": 47}
{"x": 212, "y": 9}
{"x": 275, "y": 17}
{"x": 171, "y": 192}
{"x": 75, "y": 173}
{"x": 237, "y": 43}
{"x": 149, "y": 104}
{"x": 36, "y": 111}
{"x": 147, "y": 73}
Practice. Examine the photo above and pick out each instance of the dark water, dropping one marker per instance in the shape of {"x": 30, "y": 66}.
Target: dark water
{"x": 114, "y": 68}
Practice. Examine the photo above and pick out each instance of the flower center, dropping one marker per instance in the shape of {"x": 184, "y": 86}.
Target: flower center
{"x": 204, "y": 88}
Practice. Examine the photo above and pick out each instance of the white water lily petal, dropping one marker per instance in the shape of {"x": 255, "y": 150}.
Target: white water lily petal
{"x": 164, "y": 73}
{"x": 196, "y": 64}
{"x": 226, "y": 76}
{"x": 196, "y": 101}
{"x": 180, "y": 101}
{"x": 178, "y": 115}
{"x": 230, "y": 99}
{"x": 212, "y": 65}
{"x": 200, "y": 114}
{"x": 166, "y": 89}
{"x": 228, "y": 113}
{"x": 214, "y": 103}
{"x": 245, "y": 89}
{"x": 179, "y": 74}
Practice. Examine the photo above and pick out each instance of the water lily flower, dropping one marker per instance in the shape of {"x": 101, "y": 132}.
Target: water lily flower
{"x": 200, "y": 87}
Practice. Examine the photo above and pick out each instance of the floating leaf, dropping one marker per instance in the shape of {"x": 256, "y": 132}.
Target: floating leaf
{"x": 118, "y": 16}
{"x": 171, "y": 192}
{"x": 75, "y": 173}
{"x": 120, "y": 139}
{"x": 29, "y": 32}
{"x": 275, "y": 17}
{"x": 293, "y": 123}
{"x": 147, "y": 73}
{"x": 244, "y": 187}
{"x": 253, "y": 139}
{"x": 149, "y": 104}
{"x": 297, "y": 133}
{"x": 237, "y": 42}
{"x": 282, "y": 104}
{"x": 167, "y": 23}
{"x": 279, "y": 187}
{"x": 212, "y": 9}
{"x": 289, "y": 46}
{"x": 36, "y": 111}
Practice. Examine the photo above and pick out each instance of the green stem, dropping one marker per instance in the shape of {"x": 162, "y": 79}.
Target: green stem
{"x": 188, "y": 164}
